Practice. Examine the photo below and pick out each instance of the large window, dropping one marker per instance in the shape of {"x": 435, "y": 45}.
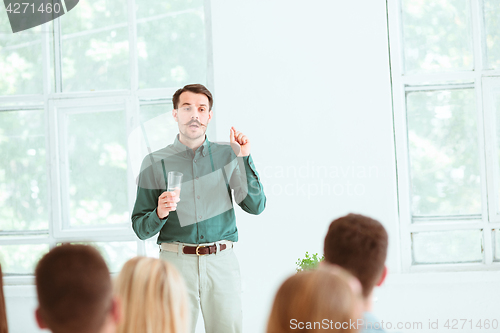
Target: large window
{"x": 82, "y": 100}
{"x": 445, "y": 62}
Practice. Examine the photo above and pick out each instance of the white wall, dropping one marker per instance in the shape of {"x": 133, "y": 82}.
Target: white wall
{"x": 21, "y": 303}
{"x": 309, "y": 83}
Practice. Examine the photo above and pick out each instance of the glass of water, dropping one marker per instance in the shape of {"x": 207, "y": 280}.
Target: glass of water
{"x": 174, "y": 182}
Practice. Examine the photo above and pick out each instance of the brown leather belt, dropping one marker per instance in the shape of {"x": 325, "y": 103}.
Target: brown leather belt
{"x": 202, "y": 250}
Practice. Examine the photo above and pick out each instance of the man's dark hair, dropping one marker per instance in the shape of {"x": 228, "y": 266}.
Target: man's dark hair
{"x": 74, "y": 289}
{"x": 359, "y": 244}
{"x": 194, "y": 88}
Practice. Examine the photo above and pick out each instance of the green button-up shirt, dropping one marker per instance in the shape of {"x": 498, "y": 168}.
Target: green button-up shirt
{"x": 212, "y": 176}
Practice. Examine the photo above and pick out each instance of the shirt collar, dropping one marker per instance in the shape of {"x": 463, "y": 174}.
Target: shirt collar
{"x": 180, "y": 147}
{"x": 204, "y": 146}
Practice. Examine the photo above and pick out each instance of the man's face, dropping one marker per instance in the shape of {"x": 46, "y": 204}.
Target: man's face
{"x": 192, "y": 115}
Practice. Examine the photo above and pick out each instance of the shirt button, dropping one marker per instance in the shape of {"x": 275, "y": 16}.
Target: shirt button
{"x": 194, "y": 161}
{"x": 197, "y": 178}
{"x": 201, "y": 236}
{"x": 199, "y": 216}
{"x": 198, "y": 197}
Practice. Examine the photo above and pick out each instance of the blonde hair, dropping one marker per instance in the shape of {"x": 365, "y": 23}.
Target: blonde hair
{"x": 153, "y": 297}
{"x": 314, "y": 296}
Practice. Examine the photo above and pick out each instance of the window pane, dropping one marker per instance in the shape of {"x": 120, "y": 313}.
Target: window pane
{"x": 152, "y": 249}
{"x": 496, "y": 114}
{"x": 177, "y": 55}
{"x": 21, "y": 259}
{"x": 492, "y": 25}
{"x": 160, "y": 128}
{"x": 97, "y": 167}
{"x": 441, "y": 247}
{"x": 444, "y": 158}
{"x": 20, "y": 60}
{"x": 496, "y": 244}
{"x": 114, "y": 253}
{"x": 95, "y": 47}
{"x": 23, "y": 175}
{"x": 437, "y": 35}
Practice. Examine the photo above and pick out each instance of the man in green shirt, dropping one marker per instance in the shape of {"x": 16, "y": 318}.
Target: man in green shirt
{"x": 198, "y": 227}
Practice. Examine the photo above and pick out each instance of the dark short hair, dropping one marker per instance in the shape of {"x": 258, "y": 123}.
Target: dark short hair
{"x": 359, "y": 244}
{"x": 194, "y": 88}
{"x": 74, "y": 289}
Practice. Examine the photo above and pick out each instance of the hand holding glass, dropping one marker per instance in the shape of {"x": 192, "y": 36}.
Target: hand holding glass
{"x": 167, "y": 201}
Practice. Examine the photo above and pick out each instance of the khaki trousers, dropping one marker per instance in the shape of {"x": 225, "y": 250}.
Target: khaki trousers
{"x": 213, "y": 283}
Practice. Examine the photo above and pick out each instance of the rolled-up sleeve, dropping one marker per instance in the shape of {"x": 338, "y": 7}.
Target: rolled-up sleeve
{"x": 248, "y": 190}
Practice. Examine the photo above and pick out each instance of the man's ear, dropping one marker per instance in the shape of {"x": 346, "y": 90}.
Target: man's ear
{"x": 382, "y": 277}
{"x": 116, "y": 310}
{"x": 39, "y": 320}
{"x": 174, "y": 114}
{"x": 210, "y": 115}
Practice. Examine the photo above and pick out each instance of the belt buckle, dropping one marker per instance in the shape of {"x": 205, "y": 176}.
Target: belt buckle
{"x": 197, "y": 248}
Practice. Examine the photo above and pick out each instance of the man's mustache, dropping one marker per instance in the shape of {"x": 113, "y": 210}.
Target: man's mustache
{"x": 195, "y": 122}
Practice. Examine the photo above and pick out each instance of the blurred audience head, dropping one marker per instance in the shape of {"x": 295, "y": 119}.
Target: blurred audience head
{"x": 75, "y": 292}
{"x": 3, "y": 311}
{"x": 327, "y": 298}
{"x": 358, "y": 244}
{"x": 153, "y": 297}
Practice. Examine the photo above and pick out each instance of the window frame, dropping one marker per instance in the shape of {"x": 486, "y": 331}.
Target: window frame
{"x": 401, "y": 85}
{"x": 53, "y": 101}
{"x": 59, "y": 111}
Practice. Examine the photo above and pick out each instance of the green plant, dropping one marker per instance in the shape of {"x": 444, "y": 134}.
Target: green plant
{"x": 309, "y": 262}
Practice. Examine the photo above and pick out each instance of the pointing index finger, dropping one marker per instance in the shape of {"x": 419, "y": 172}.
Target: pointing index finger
{"x": 231, "y": 134}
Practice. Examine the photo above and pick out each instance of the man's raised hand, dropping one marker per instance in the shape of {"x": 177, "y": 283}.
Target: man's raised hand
{"x": 239, "y": 142}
